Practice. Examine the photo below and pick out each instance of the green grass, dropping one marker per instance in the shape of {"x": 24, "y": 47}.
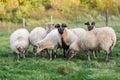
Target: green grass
{"x": 40, "y": 68}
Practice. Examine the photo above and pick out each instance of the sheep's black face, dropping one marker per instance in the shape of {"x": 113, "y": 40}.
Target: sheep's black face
{"x": 90, "y": 25}
{"x": 70, "y": 53}
{"x": 60, "y": 27}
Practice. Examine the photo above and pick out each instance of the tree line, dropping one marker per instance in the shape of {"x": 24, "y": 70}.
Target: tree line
{"x": 16, "y": 10}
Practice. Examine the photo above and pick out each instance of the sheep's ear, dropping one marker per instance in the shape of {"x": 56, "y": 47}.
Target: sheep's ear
{"x": 87, "y": 23}
{"x": 57, "y": 25}
{"x": 64, "y": 25}
{"x": 93, "y": 23}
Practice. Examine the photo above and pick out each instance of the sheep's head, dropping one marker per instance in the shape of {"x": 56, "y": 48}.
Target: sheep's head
{"x": 70, "y": 53}
{"x": 21, "y": 50}
{"x": 60, "y": 27}
{"x": 90, "y": 25}
{"x": 49, "y": 27}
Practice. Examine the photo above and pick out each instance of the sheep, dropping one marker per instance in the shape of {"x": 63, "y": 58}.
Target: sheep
{"x": 37, "y": 34}
{"x": 68, "y": 36}
{"x": 19, "y": 42}
{"x": 51, "y": 41}
{"x": 49, "y": 27}
{"x": 91, "y": 26}
{"x": 98, "y": 39}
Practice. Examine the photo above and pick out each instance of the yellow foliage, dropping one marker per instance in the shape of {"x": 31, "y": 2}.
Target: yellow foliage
{"x": 100, "y": 5}
{"x": 13, "y": 3}
{"x": 2, "y": 7}
{"x": 75, "y": 3}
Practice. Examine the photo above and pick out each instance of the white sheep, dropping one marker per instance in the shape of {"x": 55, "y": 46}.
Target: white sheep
{"x": 51, "y": 41}
{"x": 19, "y": 42}
{"x": 37, "y": 34}
{"x": 91, "y": 26}
{"x": 100, "y": 38}
{"x": 68, "y": 36}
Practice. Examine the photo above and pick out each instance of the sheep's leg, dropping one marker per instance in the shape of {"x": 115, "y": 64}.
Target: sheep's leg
{"x": 47, "y": 51}
{"x": 55, "y": 53}
{"x": 64, "y": 53}
{"x": 24, "y": 56}
{"x": 94, "y": 54}
{"x": 108, "y": 54}
{"x": 51, "y": 54}
{"x": 88, "y": 54}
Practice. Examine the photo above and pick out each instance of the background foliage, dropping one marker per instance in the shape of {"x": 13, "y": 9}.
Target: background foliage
{"x": 15, "y": 10}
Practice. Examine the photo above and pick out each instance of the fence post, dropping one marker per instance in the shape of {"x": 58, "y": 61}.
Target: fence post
{"x": 51, "y": 19}
{"x": 106, "y": 14}
{"x": 24, "y": 23}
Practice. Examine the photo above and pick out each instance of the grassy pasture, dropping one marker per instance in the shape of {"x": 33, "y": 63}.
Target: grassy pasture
{"x": 40, "y": 68}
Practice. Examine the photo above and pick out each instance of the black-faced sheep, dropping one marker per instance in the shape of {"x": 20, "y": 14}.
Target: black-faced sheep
{"x": 68, "y": 36}
{"x": 100, "y": 38}
{"x": 91, "y": 26}
{"x": 19, "y": 41}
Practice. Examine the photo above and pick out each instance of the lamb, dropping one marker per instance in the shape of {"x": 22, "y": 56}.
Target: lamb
{"x": 36, "y": 35}
{"x": 51, "y": 41}
{"x": 98, "y": 39}
{"x": 68, "y": 36}
{"x": 19, "y": 42}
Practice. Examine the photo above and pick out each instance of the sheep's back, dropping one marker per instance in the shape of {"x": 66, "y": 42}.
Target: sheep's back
{"x": 87, "y": 41}
{"x": 78, "y": 31}
{"x": 106, "y": 35}
{"x": 19, "y": 36}
{"x": 37, "y": 34}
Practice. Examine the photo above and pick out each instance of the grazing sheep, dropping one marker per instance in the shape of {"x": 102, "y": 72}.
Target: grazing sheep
{"x": 51, "y": 41}
{"x": 36, "y": 35}
{"x": 19, "y": 41}
{"x": 99, "y": 38}
{"x": 49, "y": 27}
{"x": 68, "y": 36}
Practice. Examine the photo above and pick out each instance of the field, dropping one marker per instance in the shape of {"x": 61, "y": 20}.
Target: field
{"x": 41, "y": 68}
